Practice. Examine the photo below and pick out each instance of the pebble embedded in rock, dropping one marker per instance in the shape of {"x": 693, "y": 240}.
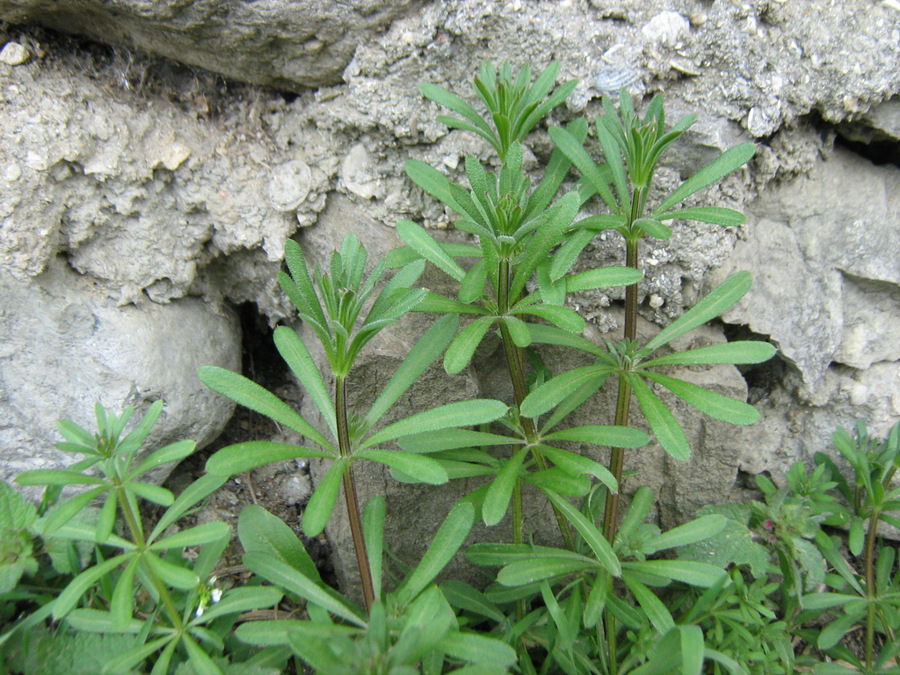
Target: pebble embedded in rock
{"x": 14, "y": 54}
{"x": 289, "y": 185}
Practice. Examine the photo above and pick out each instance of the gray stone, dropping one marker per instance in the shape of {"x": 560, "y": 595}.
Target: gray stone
{"x": 65, "y": 346}
{"x": 276, "y": 43}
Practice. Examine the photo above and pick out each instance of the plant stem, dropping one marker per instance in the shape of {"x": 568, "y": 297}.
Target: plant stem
{"x": 516, "y": 365}
{"x": 138, "y": 538}
{"x": 871, "y": 590}
{"x": 356, "y": 531}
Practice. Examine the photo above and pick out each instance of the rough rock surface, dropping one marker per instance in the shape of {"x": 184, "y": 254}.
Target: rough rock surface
{"x": 65, "y": 345}
{"x": 167, "y": 186}
{"x": 275, "y": 43}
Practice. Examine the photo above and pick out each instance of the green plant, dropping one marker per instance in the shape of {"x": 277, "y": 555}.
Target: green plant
{"x": 872, "y": 598}
{"x": 165, "y": 620}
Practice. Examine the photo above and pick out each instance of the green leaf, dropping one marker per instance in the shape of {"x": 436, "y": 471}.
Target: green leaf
{"x": 552, "y": 392}
{"x": 723, "y": 165}
{"x": 122, "y": 603}
{"x": 292, "y": 580}
{"x": 707, "y": 214}
{"x": 589, "y": 532}
{"x": 495, "y": 655}
{"x": 72, "y": 593}
{"x": 496, "y": 501}
{"x": 522, "y": 572}
{"x": 856, "y": 540}
{"x": 447, "y": 541}
{"x": 603, "y": 277}
{"x": 424, "y": 244}
{"x": 715, "y": 405}
{"x": 419, "y": 467}
{"x": 662, "y": 422}
{"x": 598, "y": 179}
{"x": 465, "y": 597}
{"x": 241, "y": 599}
{"x": 373, "y": 534}
{"x": 449, "y": 100}
{"x": 262, "y": 532}
{"x": 749, "y": 351}
{"x": 472, "y": 287}
{"x": 614, "y": 436}
{"x": 451, "y": 439}
{"x": 837, "y": 629}
{"x": 417, "y": 361}
{"x": 518, "y": 331}
{"x": 686, "y": 571}
{"x": 688, "y": 533}
{"x": 653, "y": 607}
{"x": 63, "y": 513}
{"x": 321, "y": 505}
{"x": 170, "y": 574}
{"x": 559, "y": 481}
{"x": 569, "y": 252}
{"x": 250, "y": 395}
{"x": 652, "y": 227}
{"x": 56, "y": 477}
{"x": 438, "y": 304}
{"x": 241, "y": 457}
{"x": 461, "y": 413}
{"x": 152, "y": 493}
{"x": 551, "y": 335}
{"x": 712, "y": 305}
{"x": 16, "y": 514}
{"x": 560, "y": 316}
{"x": 171, "y": 453}
{"x": 193, "y": 536}
{"x": 298, "y": 358}
{"x": 191, "y": 495}
{"x": 577, "y": 465}
{"x": 463, "y": 347}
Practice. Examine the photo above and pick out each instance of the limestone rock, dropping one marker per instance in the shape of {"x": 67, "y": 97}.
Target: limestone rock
{"x": 65, "y": 346}
{"x": 276, "y": 43}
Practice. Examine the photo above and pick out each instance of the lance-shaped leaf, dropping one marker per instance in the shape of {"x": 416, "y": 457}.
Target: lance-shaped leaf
{"x": 712, "y": 305}
{"x": 189, "y": 497}
{"x": 524, "y": 572}
{"x": 321, "y": 504}
{"x": 577, "y": 465}
{"x": 551, "y": 335}
{"x": 723, "y": 165}
{"x": 459, "y": 414}
{"x": 240, "y": 457}
{"x": 170, "y": 574}
{"x": 170, "y": 453}
{"x": 373, "y": 533}
{"x": 472, "y": 287}
{"x": 438, "y": 304}
{"x": 716, "y": 215}
{"x": 546, "y": 237}
{"x": 603, "y": 277}
{"x": 496, "y": 501}
{"x": 686, "y": 571}
{"x": 744, "y": 351}
{"x": 569, "y": 252}
{"x": 262, "y": 532}
{"x": 715, "y": 405}
{"x": 560, "y": 316}
{"x": 662, "y": 422}
{"x": 447, "y": 541}
{"x": 489, "y": 654}
{"x": 688, "y": 533}
{"x": 592, "y": 536}
{"x": 298, "y": 358}
{"x": 424, "y": 244}
{"x": 306, "y": 299}
{"x": 614, "y": 436}
{"x": 449, "y": 100}
{"x": 193, "y": 536}
{"x": 460, "y": 351}
{"x": 420, "y": 357}
{"x": 599, "y": 179}
{"x": 294, "y": 581}
{"x": 418, "y": 467}
{"x": 555, "y": 390}
{"x": 451, "y": 439}
{"x": 653, "y": 607}
{"x": 251, "y": 395}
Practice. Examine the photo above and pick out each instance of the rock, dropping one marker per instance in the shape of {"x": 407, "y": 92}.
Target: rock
{"x": 65, "y": 346}
{"x": 14, "y": 54}
{"x": 667, "y": 28}
{"x": 289, "y": 185}
{"x": 289, "y": 45}
{"x": 827, "y": 253}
